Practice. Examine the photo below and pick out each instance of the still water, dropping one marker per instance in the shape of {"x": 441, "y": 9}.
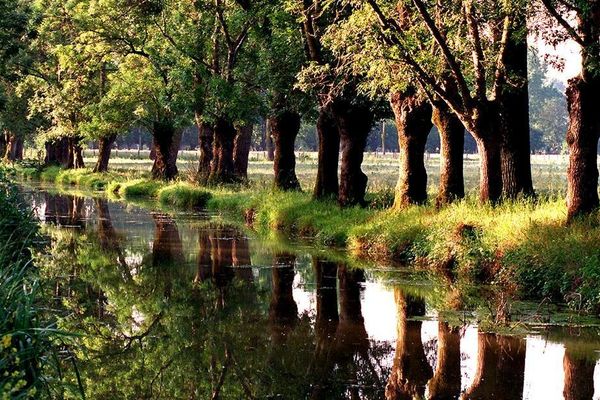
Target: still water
{"x": 185, "y": 306}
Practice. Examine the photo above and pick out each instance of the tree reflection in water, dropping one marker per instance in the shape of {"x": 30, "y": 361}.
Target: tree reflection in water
{"x": 161, "y": 321}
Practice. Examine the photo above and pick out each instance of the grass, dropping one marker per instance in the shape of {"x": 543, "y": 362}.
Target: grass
{"x": 183, "y": 195}
{"x": 523, "y": 246}
{"x": 29, "y": 352}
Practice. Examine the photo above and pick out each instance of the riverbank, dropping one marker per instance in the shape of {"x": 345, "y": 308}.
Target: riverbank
{"x": 32, "y": 349}
{"x": 524, "y": 247}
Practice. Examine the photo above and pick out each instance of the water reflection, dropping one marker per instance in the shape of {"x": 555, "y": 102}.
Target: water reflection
{"x": 411, "y": 371}
{"x": 179, "y": 307}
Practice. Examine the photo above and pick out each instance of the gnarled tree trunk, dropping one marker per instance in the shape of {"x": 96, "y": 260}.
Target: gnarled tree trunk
{"x": 205, "y": 145}
{"x": 413, "y": 122}
{"x": 452, "y": 140}
{"x": 166, "y": 141}
{"x": 583, "y": 98}
{"x": 222, "y": 168}
{"x": 284, "y": 130}
{"x": 104, "y": 148}
{"x": 513, "y": 102}
{"x": 241, "y": 151}
{"x": 326, "y": 185}
{"x": 354, "y": 124}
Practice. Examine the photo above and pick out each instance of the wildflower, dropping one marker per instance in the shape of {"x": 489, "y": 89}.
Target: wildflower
{"x": 6, "y": 339}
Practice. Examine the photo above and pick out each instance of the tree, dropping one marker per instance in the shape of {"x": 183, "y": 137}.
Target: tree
{"x": 345, "y": 115}
{"x": 582, "y": 93}
{"x": 475, "y": 87}
{"x": 282, "y": 58}
{"x": 385, "y": 76}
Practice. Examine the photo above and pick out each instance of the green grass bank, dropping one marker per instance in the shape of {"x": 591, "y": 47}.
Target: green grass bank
{"x": 523, "y": 246}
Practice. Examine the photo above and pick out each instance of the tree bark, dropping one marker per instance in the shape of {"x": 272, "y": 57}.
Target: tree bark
{"x": 582, "y": 139}
{"x": 104, "y": 148}
{"x": 205, "y": 144}
{"x": 513, "y": 102}
{"x": 222, "y": 167}
{"x": 326, "y": 185}
{"x": 413, "y": 122}
{"x": 166, "y": 148}
{"x": 354, "y": 124}
{"x": 490, "y": 170}
{"x": 284, "y": 130}
{"x": 241, "y": 151}
{"x": 452, "y": 140}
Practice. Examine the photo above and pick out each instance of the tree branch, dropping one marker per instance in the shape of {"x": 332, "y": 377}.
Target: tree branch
{"x": 562, "y": 22}
{"x": 448, "y": 56}
{"x": 477, "y": 51}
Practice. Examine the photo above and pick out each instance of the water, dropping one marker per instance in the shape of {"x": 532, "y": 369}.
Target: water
{"x": 185, "y": 306}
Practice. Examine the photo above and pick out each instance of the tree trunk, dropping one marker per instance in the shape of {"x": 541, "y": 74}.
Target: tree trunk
{"x": 326, "y": 185}
{"x": 222, "y": 168}
{"x": 241, "y": 151}
{"x": 445, "y": 383}
{"x": 14, "y": 148}
{"x": 104, "y": 148}
{"x": 205, "y": 144}
{"x": 490, "y": 173}
{"x": 4, "y": 141}
{"x": 77, "y": 151}
{"x": 583, "y": 98}
{"x": 383, "y": 136}
{"x": 413, "y": 121}
{"x": 513, "y": 101}
{"x": 452, "y": 140}
{"x": 284, "y": 130}
{"x": 579, "y": 376}
{"x": 354, "y": 124}
{"x": 59, "y": 152}
{"x": 166, "y": 148}
{"x": 269, "y": 142}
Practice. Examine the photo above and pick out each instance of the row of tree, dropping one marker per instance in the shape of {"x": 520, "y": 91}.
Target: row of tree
{"x": 93, "y": 69}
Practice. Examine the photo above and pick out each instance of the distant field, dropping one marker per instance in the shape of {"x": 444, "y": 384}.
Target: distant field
{"x": 549, "y": 171}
